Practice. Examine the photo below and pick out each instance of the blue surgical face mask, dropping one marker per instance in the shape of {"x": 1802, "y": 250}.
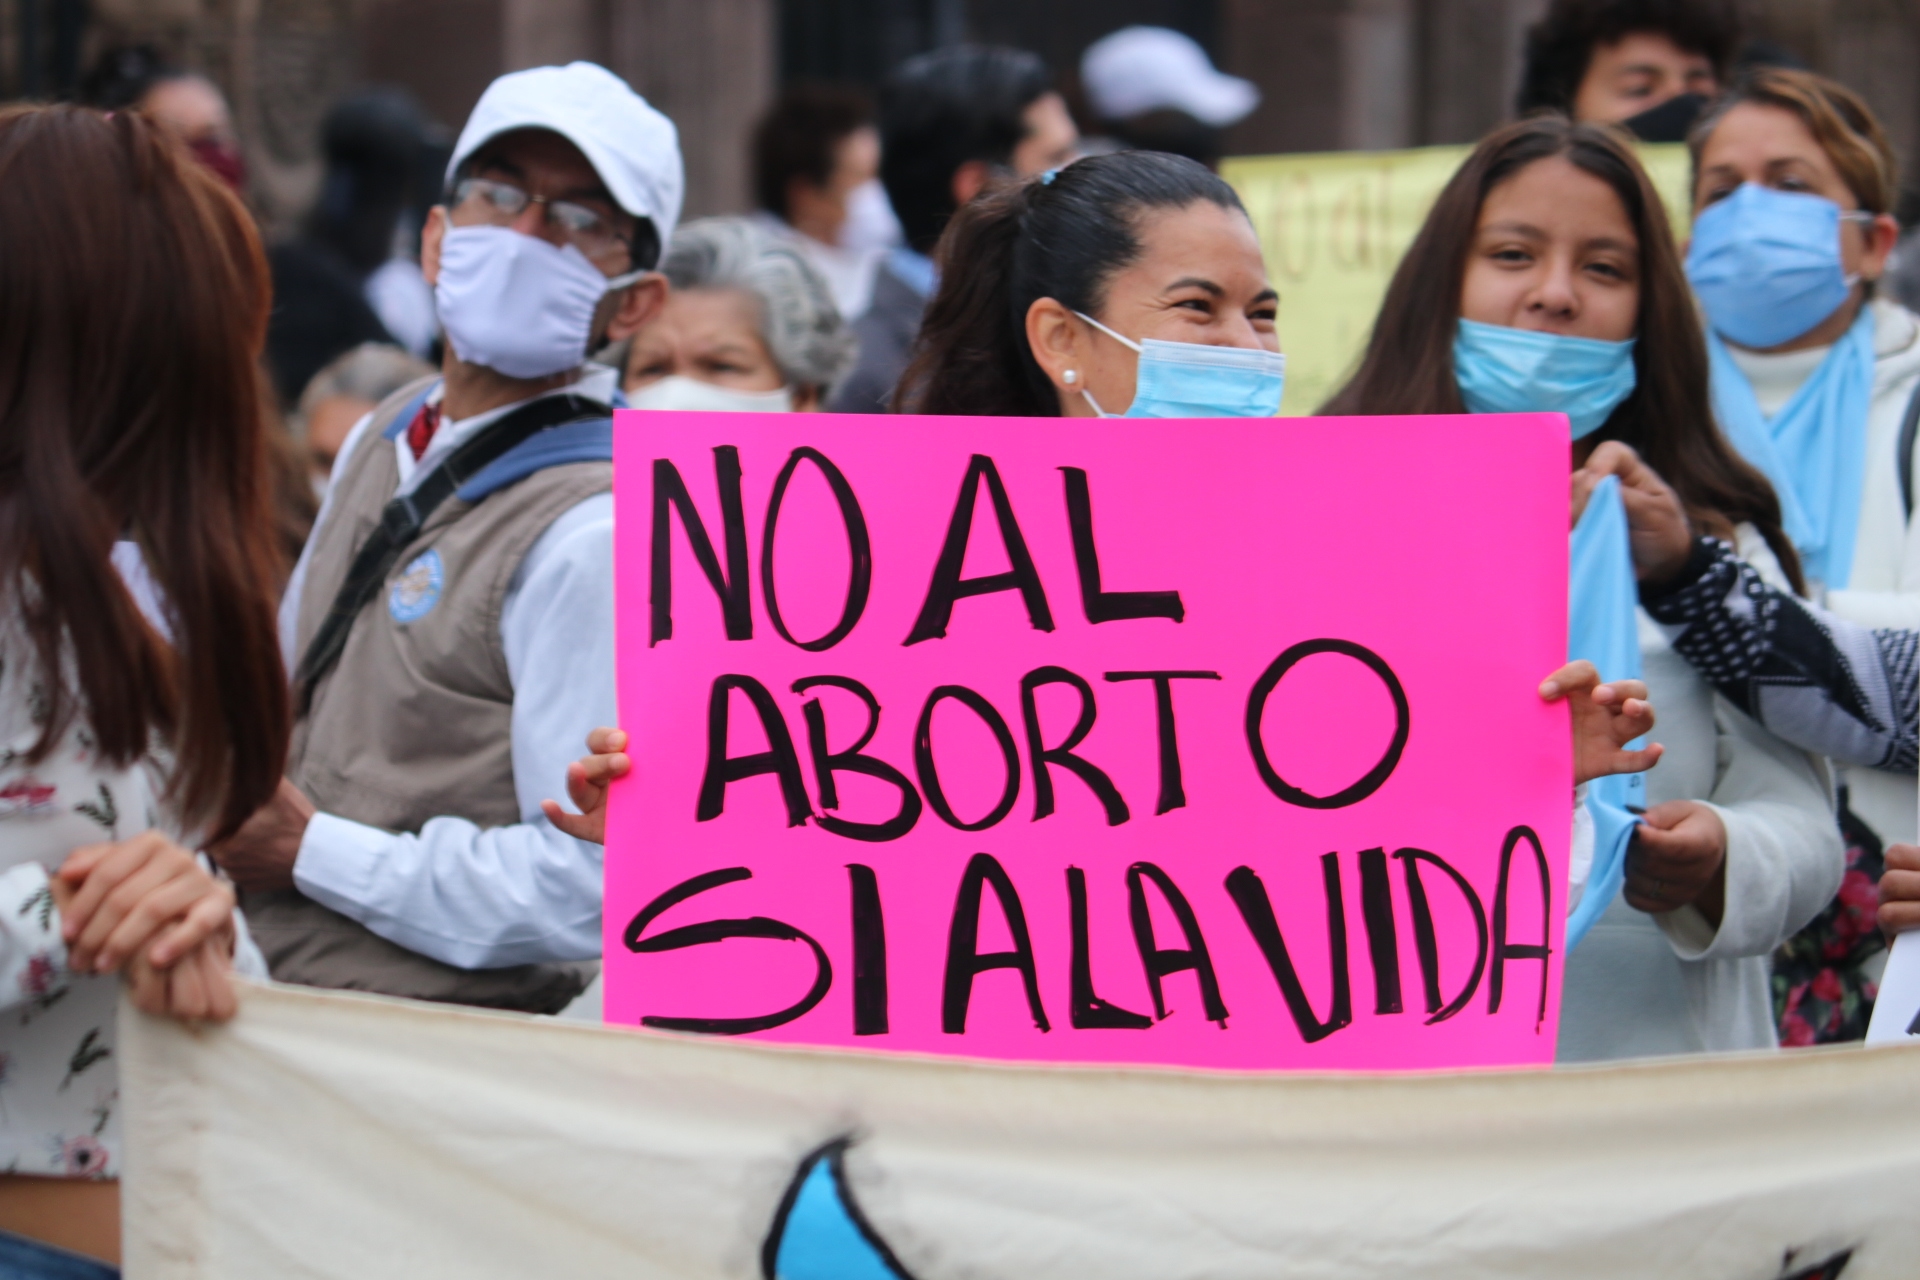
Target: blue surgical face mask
{"x": 1502, "y": 370}
{"x": 1766, "y": 264}
{"x": 1194, "y": 380}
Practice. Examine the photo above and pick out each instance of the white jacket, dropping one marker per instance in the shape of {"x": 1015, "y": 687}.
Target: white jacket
{"x": 1641, "y": 985}
{"x": 1884, "y": 590}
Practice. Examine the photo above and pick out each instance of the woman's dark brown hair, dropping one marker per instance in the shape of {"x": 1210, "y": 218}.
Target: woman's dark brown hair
{"x": 1668, "y": 420}
{"x": 1838, "y": 118}
{"x": 136, "y": 299}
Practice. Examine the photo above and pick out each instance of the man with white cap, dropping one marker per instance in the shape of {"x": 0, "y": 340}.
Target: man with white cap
{"x": 450, "y": 626}
{"x": 1154, "y": 89}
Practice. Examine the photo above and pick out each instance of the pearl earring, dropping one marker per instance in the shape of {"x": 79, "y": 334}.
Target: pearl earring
{"x": 1070, "y": 377}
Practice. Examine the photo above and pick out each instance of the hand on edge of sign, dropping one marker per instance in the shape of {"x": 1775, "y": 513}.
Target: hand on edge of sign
{"x": 1900, "y": 889}
{"x": 1678, "y": 858}
{"x": 587, "y": 781}
{"x": 1606, "y": 717}
{"x": 1657, "y": 526}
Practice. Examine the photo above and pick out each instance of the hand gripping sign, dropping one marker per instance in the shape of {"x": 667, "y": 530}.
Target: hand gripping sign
{"x": 1214, "y": 744}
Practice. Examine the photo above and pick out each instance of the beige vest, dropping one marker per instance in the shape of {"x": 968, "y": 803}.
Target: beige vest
{"x": 414, "y": 721}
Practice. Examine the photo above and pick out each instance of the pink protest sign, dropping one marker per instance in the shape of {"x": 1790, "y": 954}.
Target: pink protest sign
{"x": 1212, "y": 744}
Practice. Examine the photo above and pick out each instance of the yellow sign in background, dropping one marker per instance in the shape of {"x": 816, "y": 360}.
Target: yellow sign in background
{"x": 1334, "y": 225}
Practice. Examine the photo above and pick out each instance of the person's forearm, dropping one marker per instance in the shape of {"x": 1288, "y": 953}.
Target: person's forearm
{"x": 1820, "y": 682}
{"x": 473, "y": 898}
{"x": 1783, "y": 863}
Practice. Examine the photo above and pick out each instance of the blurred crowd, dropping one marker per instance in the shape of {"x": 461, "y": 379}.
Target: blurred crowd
{"x": 858, "y": 188}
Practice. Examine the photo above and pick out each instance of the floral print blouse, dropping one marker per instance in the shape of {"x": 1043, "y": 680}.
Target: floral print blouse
{"x": 59, "y": 1090}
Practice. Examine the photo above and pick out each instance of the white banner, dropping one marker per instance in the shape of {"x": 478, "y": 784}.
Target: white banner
{"x": 324, "y": 1135}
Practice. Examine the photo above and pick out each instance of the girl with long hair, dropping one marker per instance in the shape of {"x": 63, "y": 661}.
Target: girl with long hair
{"x": 1546, "y": 279}
{"x": 143, "y": 707}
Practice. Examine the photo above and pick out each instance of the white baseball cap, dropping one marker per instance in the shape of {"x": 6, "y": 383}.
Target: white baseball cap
{"x": 1140, "y": 69}
{"x": 634, "y": 149}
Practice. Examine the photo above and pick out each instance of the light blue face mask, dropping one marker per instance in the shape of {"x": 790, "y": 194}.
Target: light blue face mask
{"x": 1766, "y": 264}
{"x": 1195, "y": 380}
{"x": 1502, "y": 370}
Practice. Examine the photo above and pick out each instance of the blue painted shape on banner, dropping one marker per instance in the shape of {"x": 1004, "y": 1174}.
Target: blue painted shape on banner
{"x": 819, "y": 1232}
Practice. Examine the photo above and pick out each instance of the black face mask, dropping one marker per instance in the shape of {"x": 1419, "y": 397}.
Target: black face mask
{"x": 1669, "y": 121}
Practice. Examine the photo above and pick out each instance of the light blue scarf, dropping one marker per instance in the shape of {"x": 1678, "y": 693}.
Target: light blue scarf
{"x": 1601, "y": 628}
{"x": 1814, "y": 450}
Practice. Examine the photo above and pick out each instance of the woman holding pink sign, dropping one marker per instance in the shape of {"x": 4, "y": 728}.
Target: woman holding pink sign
{"x": 1133, "y": 285}
{"x": 1546, "y": 279}
{"x": 1125, "y": 285}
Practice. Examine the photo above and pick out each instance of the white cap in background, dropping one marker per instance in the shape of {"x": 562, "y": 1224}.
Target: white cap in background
{"x": 1140, "y": 69}
{"x": 634, "y": 149}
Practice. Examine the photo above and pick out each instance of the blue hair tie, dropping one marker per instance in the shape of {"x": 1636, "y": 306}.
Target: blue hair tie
{"x": 1046, "y": 179}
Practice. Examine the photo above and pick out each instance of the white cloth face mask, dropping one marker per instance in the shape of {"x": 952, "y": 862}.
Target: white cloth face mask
{"x": 679, "y": 392}
{"x": 517, "y": 304}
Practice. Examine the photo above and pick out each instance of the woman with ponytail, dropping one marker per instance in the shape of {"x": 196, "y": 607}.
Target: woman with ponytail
{"x": 143, "y": 707}
{"x": 1126, "y": 285}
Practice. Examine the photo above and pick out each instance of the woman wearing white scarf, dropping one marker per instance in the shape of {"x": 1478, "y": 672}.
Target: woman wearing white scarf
{"x": 1815, "y": 381}
{"x": 1814, "y": 377}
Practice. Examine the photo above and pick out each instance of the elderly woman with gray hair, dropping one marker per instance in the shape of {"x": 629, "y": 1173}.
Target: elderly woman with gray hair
{"x": 750, "y": 327}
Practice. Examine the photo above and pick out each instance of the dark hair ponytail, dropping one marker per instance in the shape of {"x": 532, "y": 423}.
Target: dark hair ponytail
{"x": 1063, "y": 236}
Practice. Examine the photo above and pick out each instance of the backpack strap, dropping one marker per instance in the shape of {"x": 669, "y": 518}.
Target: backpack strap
{"x": 588, "y": 440}
{"x": 403, "y": 518}
{"x": 1909, "y": 428}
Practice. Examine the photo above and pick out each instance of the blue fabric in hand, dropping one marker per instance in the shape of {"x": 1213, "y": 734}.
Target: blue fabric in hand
{"x": 1602, "y": 627}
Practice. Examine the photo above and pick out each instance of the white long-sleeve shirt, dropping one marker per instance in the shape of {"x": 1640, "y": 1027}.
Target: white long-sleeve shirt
{"x": 507, "y": 895}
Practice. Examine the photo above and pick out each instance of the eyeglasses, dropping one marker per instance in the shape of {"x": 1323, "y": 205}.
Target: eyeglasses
{"x": 501, "y": 202}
